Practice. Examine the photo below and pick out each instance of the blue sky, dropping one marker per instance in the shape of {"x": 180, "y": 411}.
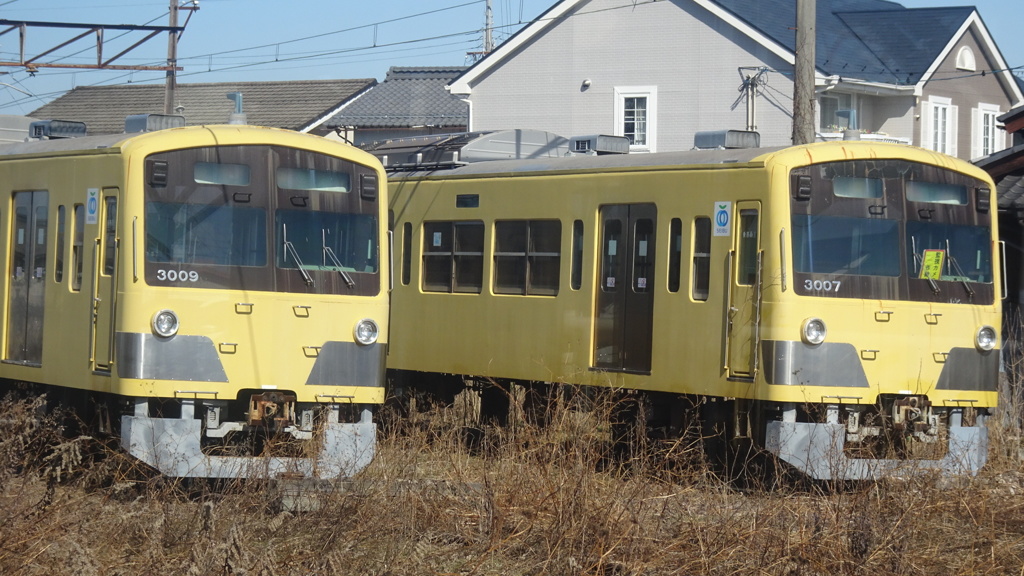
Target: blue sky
{"x": 257, "y": 40}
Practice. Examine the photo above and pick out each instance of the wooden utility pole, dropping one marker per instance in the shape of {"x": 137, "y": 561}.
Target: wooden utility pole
{"x": 803, "y": 78}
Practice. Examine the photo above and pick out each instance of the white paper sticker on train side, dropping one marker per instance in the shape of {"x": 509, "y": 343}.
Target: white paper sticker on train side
{"x": 723, "y": 218}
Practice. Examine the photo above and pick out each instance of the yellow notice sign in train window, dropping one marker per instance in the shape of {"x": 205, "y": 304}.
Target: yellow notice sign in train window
{"x": 931, "y": 264}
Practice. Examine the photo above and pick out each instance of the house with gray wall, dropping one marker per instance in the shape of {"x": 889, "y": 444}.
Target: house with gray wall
{"x": 658, "y": 72}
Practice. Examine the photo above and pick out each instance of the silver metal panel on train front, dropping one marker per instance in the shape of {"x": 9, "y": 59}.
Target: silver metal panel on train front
{"x": 348, "y": 364}
{"x": 969, "y": 369}
{"x": 798, "y": 364}
{"x": 188, "y": 358}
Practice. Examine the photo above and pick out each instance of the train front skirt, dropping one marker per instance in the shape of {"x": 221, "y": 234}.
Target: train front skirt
{"x": 172, "y": 446}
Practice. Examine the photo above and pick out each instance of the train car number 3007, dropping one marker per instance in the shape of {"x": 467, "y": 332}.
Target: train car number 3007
{"x": 822, "y": 285}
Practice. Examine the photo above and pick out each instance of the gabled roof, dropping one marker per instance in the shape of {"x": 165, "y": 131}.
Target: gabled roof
{"x": 408, "y": 96}
{"x": 868, "y": 41}
{"x": 293, "y": 105}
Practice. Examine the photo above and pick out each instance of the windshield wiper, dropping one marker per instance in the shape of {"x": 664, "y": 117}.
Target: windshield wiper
{"x": 289, "y": 250}
{"x": 959, "y": 271}
{"x": 337, "y": 263}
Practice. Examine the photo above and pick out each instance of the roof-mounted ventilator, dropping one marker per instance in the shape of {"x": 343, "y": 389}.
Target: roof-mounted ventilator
{"x": 726, "y": 140}
{"x": 152, "y": 122}
{"x": 599, "y": 145}
{"x": 450, "y": 150}
{"x": 55, "y": 129}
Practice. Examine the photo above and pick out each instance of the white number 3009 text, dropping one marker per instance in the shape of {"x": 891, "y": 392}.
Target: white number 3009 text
{"x": 177, "y": 275}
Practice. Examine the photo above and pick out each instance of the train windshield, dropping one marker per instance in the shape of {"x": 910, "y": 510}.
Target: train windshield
{"x": 891, "y": 229}
{"x": 261, "y": 218}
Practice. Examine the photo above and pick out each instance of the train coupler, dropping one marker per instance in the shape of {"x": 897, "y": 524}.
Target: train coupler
{"x": 274, "y": 410}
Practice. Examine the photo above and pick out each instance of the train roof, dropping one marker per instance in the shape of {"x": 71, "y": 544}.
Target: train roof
{"x": 599, "y": 162}
{"x": 749, "y": 157}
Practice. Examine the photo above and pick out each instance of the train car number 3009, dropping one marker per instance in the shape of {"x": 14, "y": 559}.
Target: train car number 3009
{"x": 177, "y": 275}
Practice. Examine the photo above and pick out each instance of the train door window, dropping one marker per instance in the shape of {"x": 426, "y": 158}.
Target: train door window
{"x": 527, "y": 257}
{"x": 675, "y": 254}
{"x": 748, "y": 248}
{"x": 110, "y": 236}
{"x": 77, "y": 246}
{"x": 453, "y": 256}
{"x": 406, "y": 252}
{"x": 643, "y": 255}
{"x": 610, "y": 256}
{"x": 576, "y": 272}
{"x": 701, "y": 258}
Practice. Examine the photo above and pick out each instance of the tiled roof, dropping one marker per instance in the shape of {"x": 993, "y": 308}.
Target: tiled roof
{"x": 408, "y": 96}
{"x": 292, "y": 105}
{"x": 872, "y": 40}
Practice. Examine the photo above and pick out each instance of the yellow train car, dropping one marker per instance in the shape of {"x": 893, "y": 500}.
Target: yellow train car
{"x": 213, "y": 289}
{"x": 834, "y": 303}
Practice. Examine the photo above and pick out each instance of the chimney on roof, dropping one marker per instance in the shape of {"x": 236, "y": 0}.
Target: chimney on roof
{"x": 238, "y": 116}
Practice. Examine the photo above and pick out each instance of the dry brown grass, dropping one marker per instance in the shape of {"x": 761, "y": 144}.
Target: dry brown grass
{"x": 522, "y": 501}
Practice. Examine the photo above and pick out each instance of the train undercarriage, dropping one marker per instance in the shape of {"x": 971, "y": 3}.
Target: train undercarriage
{"x": 898, "y": 434}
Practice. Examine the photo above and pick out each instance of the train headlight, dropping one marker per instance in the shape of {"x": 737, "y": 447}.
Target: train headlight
{"x": 165, "y": 323}
{"x": 366, "y": 332}
{"x": 813, "y": 331}
{"x": 985, "y": 338}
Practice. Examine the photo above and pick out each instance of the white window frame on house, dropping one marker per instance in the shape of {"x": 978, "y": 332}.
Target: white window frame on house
{"x": 986, "y": 135}
{"x": 828, "y": 120}
{"x": 939, "y": 125}
{"x": 626, "y": 122}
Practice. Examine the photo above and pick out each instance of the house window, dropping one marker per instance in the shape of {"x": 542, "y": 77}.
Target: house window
{"x": 938, "y": 125}
{"x": 635, "y": 116}
{"x": 965, "y": 59}
{"x": 987, "y": 136}
{"x": 837, "y": 113}
{"x": 527, "y": 256}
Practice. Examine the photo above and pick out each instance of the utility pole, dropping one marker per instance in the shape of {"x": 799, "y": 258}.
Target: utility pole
{"x": 803, "y": 78}
{"x": 171, "y": 79}
{"x": 488, "y": 26}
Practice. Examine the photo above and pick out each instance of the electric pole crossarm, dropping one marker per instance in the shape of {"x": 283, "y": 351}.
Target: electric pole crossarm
{"x": 31, "y": 63}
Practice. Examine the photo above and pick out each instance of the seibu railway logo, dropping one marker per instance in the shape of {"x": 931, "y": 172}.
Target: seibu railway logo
{"x": 723, "y": 218}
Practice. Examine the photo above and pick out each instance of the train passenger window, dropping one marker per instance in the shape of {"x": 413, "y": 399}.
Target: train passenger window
{"x": 675, "y": 253}
{"x": 110, "y": 236}
{"x": 643, "y": 255}
{"x": 701, "y": 258}
{"x": 77, "y": 246}
{"x": 453, "y": 254}
{"x": 576, "y": 274}
{"x": 58, "y": 269}
{"x": 406, "y": 252}
{"x": 747, "y": 249}
{"x": 527, "y": 257}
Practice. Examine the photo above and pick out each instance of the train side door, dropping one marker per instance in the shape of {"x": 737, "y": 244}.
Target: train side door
{"x": 105, "y": 282}
{"x": 624, "y": 314}
{"x": 744, "y": 292}
{"x": 28, "y": 279}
